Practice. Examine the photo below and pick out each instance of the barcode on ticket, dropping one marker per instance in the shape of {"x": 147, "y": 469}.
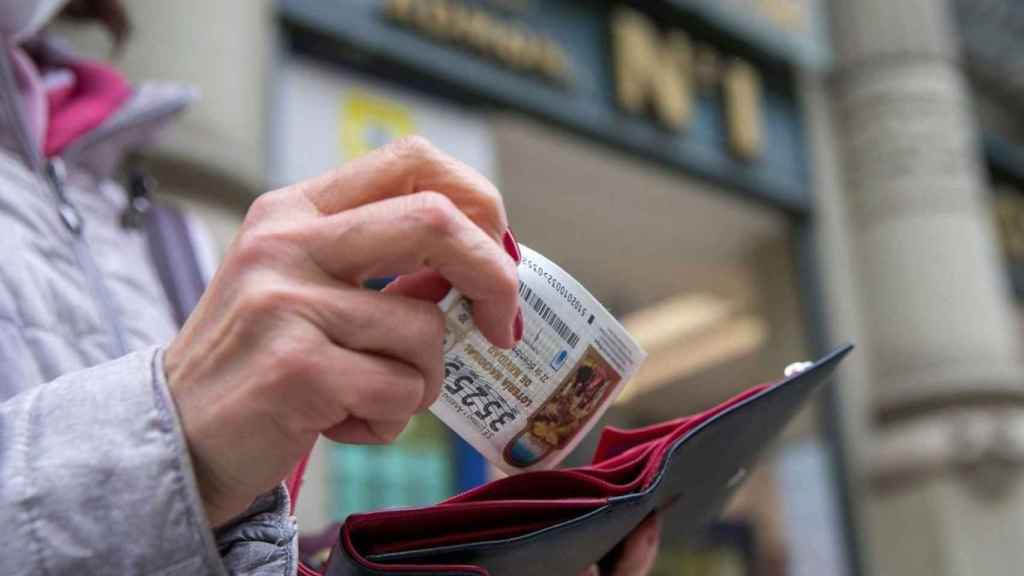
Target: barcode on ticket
{"x": 548, "y": 315}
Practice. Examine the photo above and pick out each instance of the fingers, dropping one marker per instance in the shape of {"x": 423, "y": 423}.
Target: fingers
{"x": 425, "y": 285}
{"x": 364, "y": 386}
{"x": 373, "y": 397}
{"x": 385, "y": 324}
{"x": 640, "y": 549}
{"x": 408, "y": 234}
{"x": 408, "y": 166}
{"x": 357, "y": 431}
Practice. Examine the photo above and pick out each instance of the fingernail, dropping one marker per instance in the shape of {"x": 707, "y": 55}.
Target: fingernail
{"x": 511, "y": 246}
{"x": 517, "y": 326}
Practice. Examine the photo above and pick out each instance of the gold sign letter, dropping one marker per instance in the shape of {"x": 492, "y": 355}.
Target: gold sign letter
{"x": 652, "y": 69}
{"x": 742, "y": 90}
{"x": 400, "y": 10}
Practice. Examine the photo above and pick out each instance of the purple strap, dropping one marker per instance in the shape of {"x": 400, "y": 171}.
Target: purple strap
{"x": 170, "y": 246}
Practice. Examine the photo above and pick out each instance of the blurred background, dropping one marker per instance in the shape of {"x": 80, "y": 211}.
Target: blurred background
{"x": 745, "y": 183}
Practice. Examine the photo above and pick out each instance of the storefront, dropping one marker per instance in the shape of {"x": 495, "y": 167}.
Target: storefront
{"x": 990, "y": 36}
{"x": 1006, "y": 172}
{"x": 655, "y": 150}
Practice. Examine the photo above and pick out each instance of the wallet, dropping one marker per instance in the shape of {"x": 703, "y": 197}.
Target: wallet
{"x": 562, "y": 521}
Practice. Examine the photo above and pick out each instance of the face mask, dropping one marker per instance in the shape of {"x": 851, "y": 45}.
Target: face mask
{"x": 21, "y": 19}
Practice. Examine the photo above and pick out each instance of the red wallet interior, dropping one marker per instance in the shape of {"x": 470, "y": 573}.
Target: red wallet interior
{"x": 626, "y": 461}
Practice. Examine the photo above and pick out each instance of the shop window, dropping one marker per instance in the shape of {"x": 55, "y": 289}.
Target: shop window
{"x": 415, "y": 470}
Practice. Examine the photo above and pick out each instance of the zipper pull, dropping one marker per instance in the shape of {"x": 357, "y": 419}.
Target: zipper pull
{"x": 140, "y": 198}
{"x": 56, "y": 174}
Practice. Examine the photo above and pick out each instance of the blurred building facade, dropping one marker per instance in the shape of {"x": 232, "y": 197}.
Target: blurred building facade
{"x": 772, "y": 176}
{"x": 923, "y": 129}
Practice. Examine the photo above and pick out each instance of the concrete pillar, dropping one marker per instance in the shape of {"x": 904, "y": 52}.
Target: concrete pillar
{"x": 944, "y": 405}
{"x": 226, "y": 50}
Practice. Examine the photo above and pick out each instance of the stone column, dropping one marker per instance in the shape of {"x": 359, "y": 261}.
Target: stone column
{"x": 944, "y": 413}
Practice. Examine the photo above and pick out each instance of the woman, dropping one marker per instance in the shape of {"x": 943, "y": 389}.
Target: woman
{"x": 128, "y": 446}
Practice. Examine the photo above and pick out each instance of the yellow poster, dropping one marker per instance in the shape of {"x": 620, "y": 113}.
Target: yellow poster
{"x": 369, "y": 121}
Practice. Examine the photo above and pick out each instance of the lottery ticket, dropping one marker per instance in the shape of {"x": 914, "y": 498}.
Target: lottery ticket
{"x": 528, "y": 407}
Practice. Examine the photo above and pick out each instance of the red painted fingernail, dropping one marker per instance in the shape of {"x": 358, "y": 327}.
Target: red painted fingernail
{"x": 511, "y": 246}
{"x": 517, "y": 326}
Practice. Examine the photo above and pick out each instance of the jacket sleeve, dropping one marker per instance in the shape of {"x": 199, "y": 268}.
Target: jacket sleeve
{"x": 95, "y": 478}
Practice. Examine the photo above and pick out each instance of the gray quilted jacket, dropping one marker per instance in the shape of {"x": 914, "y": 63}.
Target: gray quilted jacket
{"x": 95, "y": 476}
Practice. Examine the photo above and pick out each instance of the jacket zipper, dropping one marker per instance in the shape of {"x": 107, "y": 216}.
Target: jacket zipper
{"x": 140, "y": 198}
{"x": 54, "y": 172}
{"x": 70, "y": 216}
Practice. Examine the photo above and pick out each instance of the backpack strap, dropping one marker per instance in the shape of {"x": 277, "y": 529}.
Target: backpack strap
{"x": 175, "y": 259}
{"x": 170, "y": 243}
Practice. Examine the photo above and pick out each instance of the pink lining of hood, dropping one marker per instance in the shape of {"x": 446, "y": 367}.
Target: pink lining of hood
{"x": 96, "y": 92}
{"x": 56, "y": 118}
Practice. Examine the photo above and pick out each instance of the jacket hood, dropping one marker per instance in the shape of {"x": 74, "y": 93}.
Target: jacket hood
{"x": 22, "y": 19}
{"x": 149, "y": 108}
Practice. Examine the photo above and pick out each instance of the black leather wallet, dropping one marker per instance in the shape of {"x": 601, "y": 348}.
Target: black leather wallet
{"x": 561, "y": 521}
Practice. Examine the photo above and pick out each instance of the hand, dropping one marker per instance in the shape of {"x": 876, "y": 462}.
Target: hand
{"x": 639, "y": 551}
{"x": 286, "y": 345}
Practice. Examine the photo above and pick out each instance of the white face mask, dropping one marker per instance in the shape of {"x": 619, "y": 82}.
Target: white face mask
{"x": 21, "y": 19}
